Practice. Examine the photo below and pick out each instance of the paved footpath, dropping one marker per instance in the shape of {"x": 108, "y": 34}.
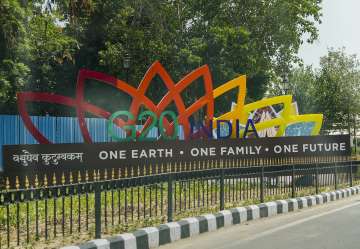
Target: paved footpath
{"x": 332, "y": 226}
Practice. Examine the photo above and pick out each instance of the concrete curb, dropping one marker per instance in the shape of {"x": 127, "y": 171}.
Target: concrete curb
{"x": 152, "y": 237}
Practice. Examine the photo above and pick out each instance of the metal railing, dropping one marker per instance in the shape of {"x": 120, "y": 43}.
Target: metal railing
{"x": 75, "y": 212}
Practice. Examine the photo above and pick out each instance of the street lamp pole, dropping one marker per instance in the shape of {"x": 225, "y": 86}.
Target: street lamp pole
{"x": 285, "y": 79}
{"x": 355, "y": 137}
{"x": 126, "y": 64}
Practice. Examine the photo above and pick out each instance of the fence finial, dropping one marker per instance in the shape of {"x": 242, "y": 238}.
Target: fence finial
{"x": 27, "y": 183}
{"x": 63, "y": 178}
{"x": 94, "y": 175}
{"x": 7, "y": 183}
{"x": 54, "y": 179}
{"x": 45, "y": 181}
{"x": 105, "y": 175}
{"x": 71, "y": 177}
{"x": 36, "y": 181}
{"x": 17, "y": 183}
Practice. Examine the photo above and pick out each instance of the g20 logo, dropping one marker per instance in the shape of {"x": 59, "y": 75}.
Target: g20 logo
{"x": 234, "y": 120}
{"x": 131, "y": 129}
{"x": 195, "y": 129}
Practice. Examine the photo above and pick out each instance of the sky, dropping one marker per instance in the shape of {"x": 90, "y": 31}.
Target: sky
{"x": 339, "y": 28}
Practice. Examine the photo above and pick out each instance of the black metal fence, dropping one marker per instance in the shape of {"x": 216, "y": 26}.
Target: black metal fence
{"x": 75, "y": 212}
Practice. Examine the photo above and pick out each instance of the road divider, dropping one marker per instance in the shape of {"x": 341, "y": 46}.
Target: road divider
{"x": 153, "y": 237}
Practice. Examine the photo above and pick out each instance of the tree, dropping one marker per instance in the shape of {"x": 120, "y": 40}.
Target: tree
{"x": 14, "y": 72}
{"x": 301, "y": 83}
{"x": 257, "y": 38}
{"x": 52, "y": 52}
{"x": 332, "y": 89}
{"x": 253, "y": 37}
{"x": 337, "y": 91}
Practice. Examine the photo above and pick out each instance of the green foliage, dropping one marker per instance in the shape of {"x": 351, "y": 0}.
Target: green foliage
{"x": 13, "y": 70}
{"x": 54, "y": 39}
{"x": 332, "y": 89}
{"x": 337, "y": 90}
{"x": 301, "y": 84}
{"x": 12, "y": 77}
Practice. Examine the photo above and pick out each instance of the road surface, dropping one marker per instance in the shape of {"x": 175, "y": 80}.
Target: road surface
{"x": 330, "y": 226}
